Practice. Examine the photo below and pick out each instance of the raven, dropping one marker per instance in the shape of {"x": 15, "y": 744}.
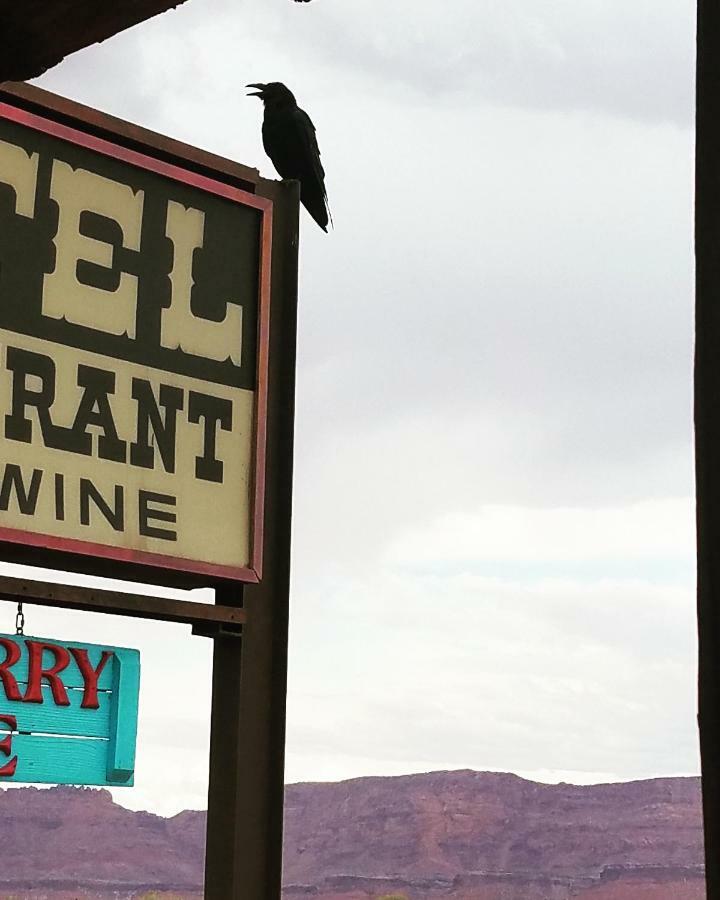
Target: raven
{"x": 290, "y": 142}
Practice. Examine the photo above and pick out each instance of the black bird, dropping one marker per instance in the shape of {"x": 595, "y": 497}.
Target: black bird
{"x": 289, "y": 140}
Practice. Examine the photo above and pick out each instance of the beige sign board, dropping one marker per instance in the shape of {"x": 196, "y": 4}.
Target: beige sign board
{"x": 133, "y": 335}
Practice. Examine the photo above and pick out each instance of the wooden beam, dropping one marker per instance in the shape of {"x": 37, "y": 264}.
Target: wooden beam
{"x": 119, "y": 603}
{"x": 38, "y": 34}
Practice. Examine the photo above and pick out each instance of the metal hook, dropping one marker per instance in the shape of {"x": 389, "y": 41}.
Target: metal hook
{"x": 20, "y": 619}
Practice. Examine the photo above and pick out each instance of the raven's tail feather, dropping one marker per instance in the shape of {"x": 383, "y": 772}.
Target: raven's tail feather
{"x": 316, "y": 205}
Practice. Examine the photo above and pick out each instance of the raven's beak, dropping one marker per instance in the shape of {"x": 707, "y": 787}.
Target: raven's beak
{"x": 258, "y": 92}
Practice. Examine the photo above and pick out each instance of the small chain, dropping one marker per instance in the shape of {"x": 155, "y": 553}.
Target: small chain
{"x": 20, "y": 620}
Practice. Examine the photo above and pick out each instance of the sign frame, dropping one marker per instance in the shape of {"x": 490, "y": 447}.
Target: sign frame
{"x": 35, "y": 548}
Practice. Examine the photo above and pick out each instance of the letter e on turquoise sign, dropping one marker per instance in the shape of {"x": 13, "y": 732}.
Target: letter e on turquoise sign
{"x": 68, "y": 712}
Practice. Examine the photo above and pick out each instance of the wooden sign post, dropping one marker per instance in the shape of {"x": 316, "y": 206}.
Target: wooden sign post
{"x": 707, "y": 423}
{"x": 148, "y": 299}
{"x": 69, "y": 712}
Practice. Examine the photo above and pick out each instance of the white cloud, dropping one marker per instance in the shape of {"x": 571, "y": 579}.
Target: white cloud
{"x": 654, "y": 531}
{"x": 463, "y": 671}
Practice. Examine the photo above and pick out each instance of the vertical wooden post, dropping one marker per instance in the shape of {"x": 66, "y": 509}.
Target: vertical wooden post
{"x": 221, "y": 873}
{"x": 707, "y": 422}
{"x": 247, "y": 744}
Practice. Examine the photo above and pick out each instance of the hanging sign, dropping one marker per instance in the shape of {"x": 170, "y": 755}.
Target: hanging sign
{"x": 133, "y": 356}
{"x": 68, "y": 712}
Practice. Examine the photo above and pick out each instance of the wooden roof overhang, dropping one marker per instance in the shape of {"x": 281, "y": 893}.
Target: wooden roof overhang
{"x": 38, "y": 34}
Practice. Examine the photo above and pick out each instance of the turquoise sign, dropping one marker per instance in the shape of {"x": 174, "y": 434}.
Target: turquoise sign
{"x": 68, "y": 712}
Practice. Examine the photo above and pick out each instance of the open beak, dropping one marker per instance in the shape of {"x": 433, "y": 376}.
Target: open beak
{"x": 258, "y": 92}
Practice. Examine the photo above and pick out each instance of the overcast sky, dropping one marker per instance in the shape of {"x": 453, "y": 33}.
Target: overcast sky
{"x": 493, "y": 546}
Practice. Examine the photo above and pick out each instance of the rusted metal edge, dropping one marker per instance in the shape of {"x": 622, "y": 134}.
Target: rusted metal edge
{"x": 118, "y": 603}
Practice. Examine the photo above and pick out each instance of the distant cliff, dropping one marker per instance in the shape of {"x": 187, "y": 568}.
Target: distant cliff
{"x": 495, "y": 837}
{"x": 462, "y": 835}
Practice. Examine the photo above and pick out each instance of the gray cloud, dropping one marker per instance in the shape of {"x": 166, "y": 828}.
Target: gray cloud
{"x": 625, "y": 59}
{"x": 633, "y": 60}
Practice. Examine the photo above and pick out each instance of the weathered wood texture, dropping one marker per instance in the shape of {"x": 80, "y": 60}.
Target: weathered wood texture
{"x": 247, "y": 738}
{"x": 707, "y": 422}
{"x": 119, "y": 603}
{"x": 72, "y": 744}
{"x": 38, "y": 34}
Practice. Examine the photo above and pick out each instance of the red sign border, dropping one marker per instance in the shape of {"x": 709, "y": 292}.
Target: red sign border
{"x": 249, "y": 574}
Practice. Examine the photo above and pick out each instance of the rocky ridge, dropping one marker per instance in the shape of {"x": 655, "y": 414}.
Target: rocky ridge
{"x": 463, "y": 835}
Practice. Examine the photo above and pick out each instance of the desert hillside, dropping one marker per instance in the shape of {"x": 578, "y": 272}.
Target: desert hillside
{"x": 462, "y": 835}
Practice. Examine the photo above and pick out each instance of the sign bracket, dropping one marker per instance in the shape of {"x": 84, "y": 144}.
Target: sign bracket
{"x": 217, "y": 630}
